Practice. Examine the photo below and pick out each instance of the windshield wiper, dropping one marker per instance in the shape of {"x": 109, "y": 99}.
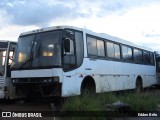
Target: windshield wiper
{"x": 27, "y": 61}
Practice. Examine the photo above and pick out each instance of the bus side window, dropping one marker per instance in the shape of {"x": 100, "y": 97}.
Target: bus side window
{"x": 152, "y": 59}
{"x": 100, "y": 48}
{"x": 117, "y": 51}
{"x": 79, "y": 47}
{"x": 92, "y": 46}
{"x": 113, "y": 50}
{"x": 146, "y": 58}
{"x": 137, "y": 56}
{"x": 110, "y": 49}
{"x": 127, "y": 53}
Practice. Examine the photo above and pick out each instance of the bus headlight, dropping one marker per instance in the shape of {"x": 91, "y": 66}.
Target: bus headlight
{"x": 56, "y": 79}
{"x": 51, "y": 80}
{"x": 15, "y": 81}
{"x": 45, "y": 80}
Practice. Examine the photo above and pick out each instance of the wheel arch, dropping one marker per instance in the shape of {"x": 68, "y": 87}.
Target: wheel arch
{"x": 139, "y": 78}
{"x": 139, "y": 84}
{"x": 88, "y": 80}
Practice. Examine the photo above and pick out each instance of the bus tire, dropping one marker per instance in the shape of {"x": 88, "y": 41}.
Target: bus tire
{"x": 88, "y": 86}
{"x": 139, "y": 87}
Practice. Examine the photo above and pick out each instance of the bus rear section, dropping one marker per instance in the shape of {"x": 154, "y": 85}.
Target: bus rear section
{"x": 7, "y": 49}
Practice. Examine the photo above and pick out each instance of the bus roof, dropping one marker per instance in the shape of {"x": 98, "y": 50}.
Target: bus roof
{"x": 4, "y": 44}
{"x": 49, "y": 29}
{"x": 101, "y": 35}
{"x": 4, "y": 41}
{"x": 7, "y": 41}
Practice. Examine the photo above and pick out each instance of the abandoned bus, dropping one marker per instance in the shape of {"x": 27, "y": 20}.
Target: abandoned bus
{"x": 6, "y": 54}
{"x": 65, "y": 61}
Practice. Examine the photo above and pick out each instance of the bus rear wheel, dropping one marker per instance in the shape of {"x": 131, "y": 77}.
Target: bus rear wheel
{"x": 139, "y": 87}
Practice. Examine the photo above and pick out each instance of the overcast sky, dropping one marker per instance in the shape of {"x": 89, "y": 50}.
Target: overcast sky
{"x": 137, "y": 21}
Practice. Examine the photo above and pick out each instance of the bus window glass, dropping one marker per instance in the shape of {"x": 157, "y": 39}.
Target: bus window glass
{"x": 124, "y": 52}
{"x": 71, "y": 47}
{"x": 79, "y": 47}
{"x": 117, "y": 51}
{"x": 25, "y": 46}
{"x": 110, "y": 49}
{"x": 47, "y": 49}
{"x": 146, "y": 58}
{"x": 92, "y": 46}
{"x": 137, "y": 56}
{"x": 100, "y": 48}
{"x": 70, "y": 35}
{"x": 130, "y": 54}
{"x": 10, "y": 57}
{"x": 127, "y": 53}
{"x": 140, "y": 56}
{"x": 151, "y": 59}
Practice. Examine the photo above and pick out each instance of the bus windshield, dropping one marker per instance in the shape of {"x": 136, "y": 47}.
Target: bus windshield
{"x": 38, "y": 50}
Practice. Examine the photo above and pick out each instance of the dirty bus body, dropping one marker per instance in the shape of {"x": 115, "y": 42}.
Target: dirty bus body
{"x": 6, "y": 55}
{"x": 65, "y": 61}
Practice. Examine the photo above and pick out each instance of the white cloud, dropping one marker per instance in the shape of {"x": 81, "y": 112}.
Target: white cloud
{"x": 11, "y": 32}
{"x": 4, "y": 19}
{"x": 136, "y": 21}
{"x": 139, "y": 25}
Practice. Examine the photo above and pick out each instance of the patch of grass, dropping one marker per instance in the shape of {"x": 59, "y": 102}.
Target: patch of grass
{"x": 82, "y": 103}
{"x": 89, "y": 102}
{"x": 137, "y": 102}
{"x": 141, "y": 102}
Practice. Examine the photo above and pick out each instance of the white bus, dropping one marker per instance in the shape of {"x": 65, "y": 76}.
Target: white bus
{"x": 65, "y": 61}
{"x": 6, "y": 55}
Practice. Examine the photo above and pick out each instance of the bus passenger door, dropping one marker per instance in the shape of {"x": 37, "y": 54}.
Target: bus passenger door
{"x": 7, "y": 83}
{"x": 71, "y": 60}
{"x": 69, "y": 63}
{"x": 12, "y": 48}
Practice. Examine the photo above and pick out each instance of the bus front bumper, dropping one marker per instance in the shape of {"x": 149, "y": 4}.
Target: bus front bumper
{"x": 38, "y": 87}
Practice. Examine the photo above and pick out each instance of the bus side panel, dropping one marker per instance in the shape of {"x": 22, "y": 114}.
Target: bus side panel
{"x": 146, "y": 72}
{"x": 108, "y": 76}
{"x": 69, "y": 82}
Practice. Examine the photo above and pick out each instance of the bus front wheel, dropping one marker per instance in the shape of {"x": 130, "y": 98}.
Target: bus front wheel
{"x": 88, "y": 86}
